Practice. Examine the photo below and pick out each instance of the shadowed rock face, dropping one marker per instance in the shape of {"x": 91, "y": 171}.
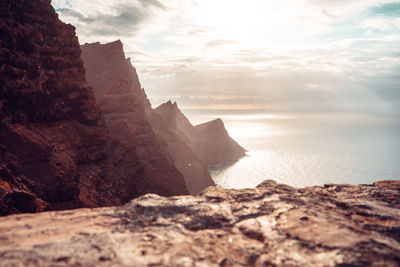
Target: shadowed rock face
{"x": 214, "y": 145}
{"x": 125, "y": 106}
{"x": 128, "y": 115}
{"x": 169, "y": 122}
{"x": 55, "y": 150}
{"x": 270, "y": 225}
{"x": 209, "y": 141}
{"x": 51, "y": 131}
{"x": 194, "y": 148}
{"x": 173, "y": 140}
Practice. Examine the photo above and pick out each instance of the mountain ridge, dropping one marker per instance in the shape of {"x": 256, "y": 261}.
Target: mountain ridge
{"x": 56, "y": 151}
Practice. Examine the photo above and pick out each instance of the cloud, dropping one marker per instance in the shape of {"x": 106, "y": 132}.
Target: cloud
{"x": 305, "y": 54}
{"x": 378, "y": 24}
{"x": 110, "y": 20}
{"x": 396, "y": 22}
{"x": 215, "y": 43}
{"x": 196, "y": 31}
{"x": 381, "y": 23}
{"x": 328, "y": 14}
{"x": 153, "y": 3}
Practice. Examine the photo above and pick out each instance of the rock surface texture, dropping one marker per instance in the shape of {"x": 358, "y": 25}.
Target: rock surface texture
{"x": 273, "y": 224}
{"x": 51, "y": 131}
{"x": 56, "y": 152}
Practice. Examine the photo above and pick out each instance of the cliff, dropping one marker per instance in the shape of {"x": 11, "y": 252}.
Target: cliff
{"x": 271, "y": 225}
{"x": 209, "y": 141}
{"x": 128, "y": 115}
{"x": 51, "y": 131}
{"x": 56, "y": 151}
{"x": 169, "y": 122}
{"x": 214, "y": 145}
{"x": 124, "y": 105}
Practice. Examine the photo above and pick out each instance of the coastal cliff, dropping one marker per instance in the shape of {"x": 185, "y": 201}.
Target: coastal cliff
{"x": 125, "y": 105}
{"x": 271, "y": 225}
{"x": 214, "y": 145}
{"x": 60, "y": 149}
{"x": 194, "y": 148}
{"x": 173, "y": 142}
{"x": 56, "y": 149}
{"x": 51, "y": 131}
{"x": 209, "y": 141}
{"x": 72, "y": 137}
{"x": 169, "y": 122}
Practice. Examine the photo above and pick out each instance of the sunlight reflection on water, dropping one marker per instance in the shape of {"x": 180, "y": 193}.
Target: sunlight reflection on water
{"x": 311, "y": 150}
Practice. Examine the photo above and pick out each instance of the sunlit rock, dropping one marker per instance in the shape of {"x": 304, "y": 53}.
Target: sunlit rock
{"x": 270, "y": 225}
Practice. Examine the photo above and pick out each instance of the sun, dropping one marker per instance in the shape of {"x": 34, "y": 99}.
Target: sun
{"x": 239, "y": 20}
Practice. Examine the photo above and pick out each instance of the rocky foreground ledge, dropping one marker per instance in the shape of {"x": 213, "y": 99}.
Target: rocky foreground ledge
{"x": 273, "y": 224}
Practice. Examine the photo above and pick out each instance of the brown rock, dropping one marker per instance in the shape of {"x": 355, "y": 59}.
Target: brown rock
{"x": 129, "y": 116}
{"x": 209, "y": 141}
{"x": 214, "y": 145}
{"x": 47, "y": 138}
{"x": 170, "y": 123}
{"x": 271, "y": 225}
{"x": 194, "y": 148}
{"x": 55, "y": 150}
{"x": 125, "y": 106}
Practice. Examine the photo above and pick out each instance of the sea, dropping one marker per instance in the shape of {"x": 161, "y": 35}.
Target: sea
{"x": 307, "y": 149}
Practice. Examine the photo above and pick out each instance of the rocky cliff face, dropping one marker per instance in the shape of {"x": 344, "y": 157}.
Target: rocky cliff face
{"x": 169, "y": 122}
{"x": 209, "y": 141}
{"x": 55, "y": 150}
{"x": 214, "y": 145}
{"x": 51, "y": 131}
{"x": 271, "y": 225}
{"x": 125, "y": 105}
{"x": 128, "y": 115}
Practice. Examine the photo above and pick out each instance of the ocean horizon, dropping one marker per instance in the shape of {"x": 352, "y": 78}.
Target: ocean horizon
{"x": 308, "y": 149}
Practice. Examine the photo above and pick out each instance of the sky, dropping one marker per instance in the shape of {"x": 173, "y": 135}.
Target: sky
{"x": 273, "y": 55}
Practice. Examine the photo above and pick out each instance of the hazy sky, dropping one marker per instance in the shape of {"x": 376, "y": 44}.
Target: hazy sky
{"x": 261, "y": 54}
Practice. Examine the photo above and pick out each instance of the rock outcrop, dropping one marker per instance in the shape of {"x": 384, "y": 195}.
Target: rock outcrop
{"x": 129, "y": 115}
{"x": 214, "y": 145}
{"x": 55, "y": 150}
{"x": 271, "y": 225}
{"x": 209, "y": 141}
{"x": 51, "y": 130}
{"x": 125, "y": 106}
{"x": 169, "y": 122}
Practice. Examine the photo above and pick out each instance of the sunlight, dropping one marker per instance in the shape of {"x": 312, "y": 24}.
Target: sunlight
{"x": 245, "y": 130}
{"x": 253, "y": 117}
{"x": 232, "y": 19}
{"x": 258, "y": 23}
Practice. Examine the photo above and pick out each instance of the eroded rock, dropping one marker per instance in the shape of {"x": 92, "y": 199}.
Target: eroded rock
{"x": 273, "y": 224}
{"x": 56, "y": 150}
{"x": 125, "y": 105}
